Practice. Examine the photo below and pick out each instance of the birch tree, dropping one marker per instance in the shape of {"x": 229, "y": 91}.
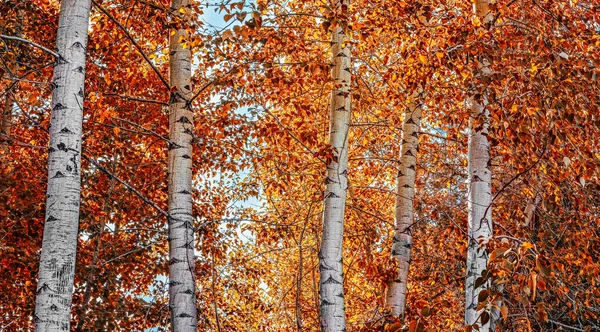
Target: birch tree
{"x": 182, "y": 288}
{"x": 480, "y": 191}
{"x": 57, "y": 262}
{"x": 404, "y": 211}
{"x": 331, "y": 284}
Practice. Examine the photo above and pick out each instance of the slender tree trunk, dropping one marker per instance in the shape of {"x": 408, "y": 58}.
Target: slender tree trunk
{"x": 57, "y": 262}
{"x": 530, "y": 209}
{"x": 404, "y": 212}
{"x": 182, "y": 285}
{"x": 480, "y": 189}
{"x": 331, "y": 284}
{"x": 9, "y": 102}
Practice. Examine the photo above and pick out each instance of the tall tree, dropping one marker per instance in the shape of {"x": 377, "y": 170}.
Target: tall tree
{"x": 480, "y": 188}
{"x": 404, "y": 210}
{"x": 331, "y": 284}
{"x": 57, "y": 262}
{"x": 182, "y": 288}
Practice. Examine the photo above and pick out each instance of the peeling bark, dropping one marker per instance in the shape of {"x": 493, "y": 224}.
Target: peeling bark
{"x": 57, "y": 262}
{"x": 404, "y": 211}
{"x": 480, "y": 189}
{"x": 331, "y": 284}
{"x": 182, "y": 284}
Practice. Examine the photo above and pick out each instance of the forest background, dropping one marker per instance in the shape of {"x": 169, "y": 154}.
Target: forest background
{"x": 261, "y": 86}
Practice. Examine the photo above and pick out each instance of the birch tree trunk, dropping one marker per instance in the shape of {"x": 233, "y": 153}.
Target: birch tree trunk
{"x": 404, "y": 212}
{"x": 57, "y": 262}
{"x": 182, "y": 285}
{"x": 480, "y": 190}
{"x": 331, "y": 284}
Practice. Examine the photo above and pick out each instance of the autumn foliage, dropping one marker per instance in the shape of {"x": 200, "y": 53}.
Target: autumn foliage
{"x": 261, "y": 89}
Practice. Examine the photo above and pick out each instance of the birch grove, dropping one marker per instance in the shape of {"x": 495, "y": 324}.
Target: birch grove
{"x": 299, "y": 165}
{"x": 182, "y": 286}
{"x": 57, "y": 262}
{"x": 331, "y": 284}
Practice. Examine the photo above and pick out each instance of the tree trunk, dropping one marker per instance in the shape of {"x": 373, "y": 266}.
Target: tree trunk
{"x": 9, "y": 102}
{"x": 57, "y": 262}
{"x": 182, "y": 285}
{"x": 404, "y": 212}
{"x": 331, "y": 284}
{"x": 480, "y": 190}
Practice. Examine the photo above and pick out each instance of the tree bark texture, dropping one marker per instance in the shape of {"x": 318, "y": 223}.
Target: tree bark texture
{"x": 57, "y": 262}
{"x": 182, "y": 284}
{"x": 404, "y": 212}
{"x": 331, "y": 284}
{"x": 480, "y": 189}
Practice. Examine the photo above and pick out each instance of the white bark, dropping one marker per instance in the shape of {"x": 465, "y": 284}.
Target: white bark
{"x": 404, "y": 211}
{"x": 57, "y": 262}
{"x": 331, "y": 284}
{"x": 182, "y": 286}
{"x": 480, "y": 190}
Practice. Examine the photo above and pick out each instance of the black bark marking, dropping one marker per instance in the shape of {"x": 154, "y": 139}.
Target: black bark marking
{"x": 66, "y": 130}
{"x": 80, "y": 69}
{"x": 174, "y": 260}
{"x": 80, "y": 93}
{"x": 43, "y": 288}
{"x": 330, "y": 281}
{"x": 184, "y": 192}
{"x": 77, "y": 44}
{"x": 341, "y": 54}
{"x": 59, "y": 107}
{"x": 325, "y": 303}
{"x": 173, "y": 146}
{"x": 62, "y": 147}
{"x": 331, "y": 195}
{"x": 185, "y": 156}
{"x": 184, "y": 119}
{"x": 188, "y": 291}
{"x": 58, "y": 175}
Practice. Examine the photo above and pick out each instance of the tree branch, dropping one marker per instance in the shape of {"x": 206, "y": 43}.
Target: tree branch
{"x": 134, "y": 42}
{"x": 26, "y": 41}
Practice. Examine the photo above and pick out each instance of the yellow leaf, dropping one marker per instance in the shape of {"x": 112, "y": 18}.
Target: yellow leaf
{"x": 423, "y": 59}
{"x": 527, "y": 245}
{"x": 182, "y": 10}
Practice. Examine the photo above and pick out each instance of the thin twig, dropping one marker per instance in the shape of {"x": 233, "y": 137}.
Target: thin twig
{"x": 135, "y": 191}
